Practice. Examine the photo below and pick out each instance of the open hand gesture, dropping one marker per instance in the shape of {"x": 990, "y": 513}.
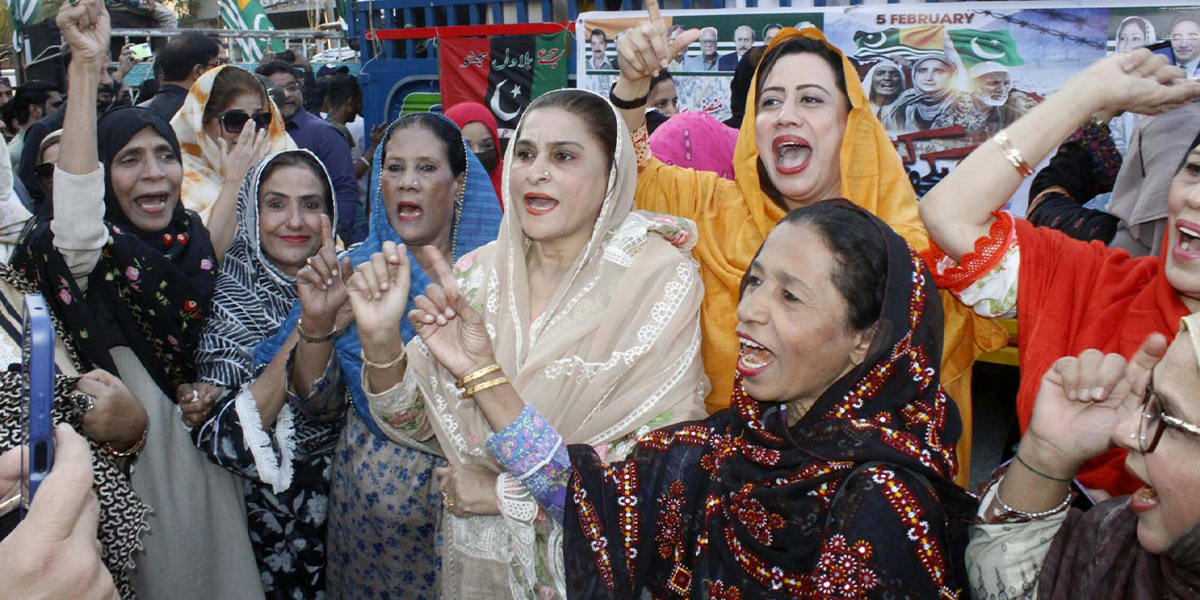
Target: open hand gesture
{"x": 1082, "y": 398}
{"x": 321, "y": 284}
{"x": 1140, "y": 81}
{"x": 250, "y": 148}
{"x": 379, "y": 294}
{"x": 85, "y": 28}
{"x": 645, "y": 49}
{"x": 454, "y": 332}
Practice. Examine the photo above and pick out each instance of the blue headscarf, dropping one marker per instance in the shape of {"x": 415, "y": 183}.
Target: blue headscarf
{"x": 477, "y": 223}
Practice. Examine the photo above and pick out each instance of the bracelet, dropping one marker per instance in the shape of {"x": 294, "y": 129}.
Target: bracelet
{"x": 622, "y": 103}
{"x": 1012, "y": 154}
{"x": 1008, "y": 511}
{"x": 488, "y": 370}
{"x": 130, "y": 452}
{"x": 314, "y": 339}
{"x": 491, "y": 383}
{"x": 1017, "y": 455}
{"x": 384, "y": 366}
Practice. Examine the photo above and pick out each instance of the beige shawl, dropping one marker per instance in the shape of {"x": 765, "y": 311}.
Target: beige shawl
{"x": 616, "y": 351}
{"x": 202, "y": 176}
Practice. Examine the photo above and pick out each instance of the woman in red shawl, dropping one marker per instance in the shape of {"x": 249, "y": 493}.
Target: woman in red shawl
{"x": 1068, "y": 295}
{"x": 479, "y": 131}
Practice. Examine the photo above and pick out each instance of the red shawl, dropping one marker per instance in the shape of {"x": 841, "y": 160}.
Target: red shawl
{"x": 1073, "y": 296}
{"x": 473, "y": 112}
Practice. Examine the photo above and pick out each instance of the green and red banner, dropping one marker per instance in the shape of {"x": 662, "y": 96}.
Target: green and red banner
{"x": 502, "y": 72}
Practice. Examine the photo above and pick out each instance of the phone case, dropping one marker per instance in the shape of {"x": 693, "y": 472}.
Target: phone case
{"x": 38, "y": 368}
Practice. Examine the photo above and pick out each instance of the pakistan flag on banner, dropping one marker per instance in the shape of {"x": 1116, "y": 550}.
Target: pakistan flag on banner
{"x": 248, "y": 14}
{"x": 973, "y": 46}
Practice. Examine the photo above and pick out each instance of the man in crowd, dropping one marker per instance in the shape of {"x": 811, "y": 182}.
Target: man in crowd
{"x": 343, "y": 103}
{"x": 54, "y": 122}
{"x": 707, "y": 60}
{"x": 33, "y": 101}
{"x": 312, "y": 133}
{"x": 183, "y": 60}
{"x": 599, "y": 46}
{"x": 743, "y": 38}
{"x": 770, "y": 31}
{"x": 1185, "y": 41}
{"x": 6, "y": 90}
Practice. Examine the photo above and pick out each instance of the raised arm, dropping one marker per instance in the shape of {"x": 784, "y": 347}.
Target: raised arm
{"x": 645, "y": 50}
{"x": 235, "y": 163}
{"x": 958, "y": 210}
{"x": 79, "y": 232}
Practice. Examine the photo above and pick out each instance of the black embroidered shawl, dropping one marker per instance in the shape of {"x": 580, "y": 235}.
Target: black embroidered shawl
{"x": 856, "y": 500}
{"x": 157, "y": 285}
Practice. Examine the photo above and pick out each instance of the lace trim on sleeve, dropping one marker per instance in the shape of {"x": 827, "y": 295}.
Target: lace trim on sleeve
{"x": 641, "y": 144}
{"x": 989, "y": 252}
{"x": 274, "y": 470}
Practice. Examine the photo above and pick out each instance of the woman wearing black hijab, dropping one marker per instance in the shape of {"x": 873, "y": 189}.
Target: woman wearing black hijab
{"x": 130, "y": 278}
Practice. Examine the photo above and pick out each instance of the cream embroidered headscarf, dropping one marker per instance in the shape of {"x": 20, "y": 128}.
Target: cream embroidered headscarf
{"x": 202, "y": 176}
{"x": 617, "y": 348}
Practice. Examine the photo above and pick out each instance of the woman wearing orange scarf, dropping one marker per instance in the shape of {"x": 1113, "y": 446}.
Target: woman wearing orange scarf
{"x": 819, "y": 140}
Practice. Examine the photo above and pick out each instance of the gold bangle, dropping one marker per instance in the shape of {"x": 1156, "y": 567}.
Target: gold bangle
{"x": 314, "y": 339}
{"x": 1012, "y": 154}
{"x": 384, "y": 366}
{"x": 492, "y": 368}
{"x": 491, "y": 383}
{"x": 130, "y": 452}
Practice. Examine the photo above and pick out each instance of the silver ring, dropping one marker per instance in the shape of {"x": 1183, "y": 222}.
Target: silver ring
{"x": 85, "y": 402}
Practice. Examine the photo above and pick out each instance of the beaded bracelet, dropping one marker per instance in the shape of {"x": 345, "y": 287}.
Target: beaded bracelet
{"x": 1012, "y": 154}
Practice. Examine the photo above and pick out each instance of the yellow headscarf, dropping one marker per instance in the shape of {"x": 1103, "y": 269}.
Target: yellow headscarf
{"x": 735, "y": 218}
{"x": 202, "y": 176}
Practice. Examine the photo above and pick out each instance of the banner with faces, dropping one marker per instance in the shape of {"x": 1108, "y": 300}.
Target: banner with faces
{"x": 942, "y": 78}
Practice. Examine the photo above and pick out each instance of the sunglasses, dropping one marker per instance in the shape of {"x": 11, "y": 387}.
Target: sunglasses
{"x": 235, "y": 120}
{"x": 1154, "y": 421}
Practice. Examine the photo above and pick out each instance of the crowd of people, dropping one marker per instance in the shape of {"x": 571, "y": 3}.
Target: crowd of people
{"x": 297, "y": 359}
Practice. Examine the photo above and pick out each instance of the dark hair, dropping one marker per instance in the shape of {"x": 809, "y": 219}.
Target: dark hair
{"x": 593, "y": 110}
{"x": 184, "y": 52}
{"x": 663, "y": 75}
{"x": 442, "y": 128}
{"x": 342, "y": 87}
{"x": 33, "y": 93}
{"x": 860, "y": 256}
{"x": 803, "y": 45}
{"x": 600, "y": 32}
{"x": 770, "y": 27}
{"x": 230, "y": 83}
{"x": 275, "y": 67}
{"x": 304, "y": 160}
{"x": 315, "y": 94}
{"x": 1183, "y": 18}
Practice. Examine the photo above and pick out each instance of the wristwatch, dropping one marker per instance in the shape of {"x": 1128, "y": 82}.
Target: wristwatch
{"x": 624, "y": 104}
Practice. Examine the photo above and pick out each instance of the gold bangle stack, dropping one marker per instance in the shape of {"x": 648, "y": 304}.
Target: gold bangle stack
{"x": 1012, "y": 154}
{"x": 381, "y": 366}
{"x": 475, "y": 376}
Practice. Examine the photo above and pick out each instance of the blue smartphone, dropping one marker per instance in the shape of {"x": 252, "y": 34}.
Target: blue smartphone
{"x": 1163, "y": 48}
{"x": 37, "y": 365}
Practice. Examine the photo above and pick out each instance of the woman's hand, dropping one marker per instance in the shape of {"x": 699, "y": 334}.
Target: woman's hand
{"x": 645, "y": 50}
{"x": 468, "y": 490}
{"x": 454, "y": 332}
{"x": 250, "y": 148}
{"x": 54, "y": 552}
{"x": 1079, "y": 402}
{"x": 196, "y": 401}
{"x": 1141, "y": 82}
{"x": 321, "y": 285}
{"x": 379, "y": 294}
{"x": 117, "y": 417}
{"x": 85, "y": 29}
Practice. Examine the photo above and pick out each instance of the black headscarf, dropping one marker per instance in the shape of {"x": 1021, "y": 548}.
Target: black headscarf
{"x": 155, "y": 286}
{"x": 856, "y": 500}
